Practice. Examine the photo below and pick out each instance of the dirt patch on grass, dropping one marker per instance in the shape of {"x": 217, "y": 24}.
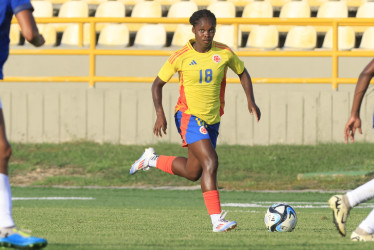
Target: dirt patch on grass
{"x": 39, "y": 174}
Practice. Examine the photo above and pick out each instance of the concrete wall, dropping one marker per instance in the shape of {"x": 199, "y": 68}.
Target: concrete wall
{"x": 123, "y": 112}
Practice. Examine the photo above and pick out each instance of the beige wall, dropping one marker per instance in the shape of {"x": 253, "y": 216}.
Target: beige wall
{"x": 123, "y": 112}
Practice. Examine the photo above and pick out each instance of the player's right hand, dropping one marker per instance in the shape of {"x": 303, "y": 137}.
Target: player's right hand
{"x": 160, "y": 126}
{"x": 350, "y": 128}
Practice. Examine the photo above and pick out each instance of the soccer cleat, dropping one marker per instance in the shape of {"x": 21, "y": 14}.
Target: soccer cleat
{"x": 223, "y": 225}
{"x": 340, "y": 212}
{"x": 362, "y": 237}
{"x": 142, "y": 162}
{"x": 21, "y": 240}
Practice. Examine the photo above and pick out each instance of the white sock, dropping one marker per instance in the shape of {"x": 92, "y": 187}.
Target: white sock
{"x": 215, "y": 218}
{"x": 368, "y": 224}
{"x": 361, "y": 194}
{"x": 152, "y": 162}
{"x": 5, "y": 202}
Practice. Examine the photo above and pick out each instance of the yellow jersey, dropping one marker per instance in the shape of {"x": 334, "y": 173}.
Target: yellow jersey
{"x": 202, "y": 79}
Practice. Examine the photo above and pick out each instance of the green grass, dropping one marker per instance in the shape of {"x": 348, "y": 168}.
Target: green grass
{"x": 170, "y": 219}
{"x": 241, "y": 167}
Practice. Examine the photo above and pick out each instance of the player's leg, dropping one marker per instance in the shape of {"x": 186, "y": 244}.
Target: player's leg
{"x": 365, "y": 192}
{"x": 342, "y": 204}
{"x": 204, "y": 152}
{"x": 9, "y": 235}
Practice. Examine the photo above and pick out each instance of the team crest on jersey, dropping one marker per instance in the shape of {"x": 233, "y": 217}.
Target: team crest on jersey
{"x": 203, "y": 130}
{"x": 216, "y": 58}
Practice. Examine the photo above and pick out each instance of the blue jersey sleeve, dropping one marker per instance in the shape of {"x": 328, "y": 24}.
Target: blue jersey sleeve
{"x": 19, "y": 5}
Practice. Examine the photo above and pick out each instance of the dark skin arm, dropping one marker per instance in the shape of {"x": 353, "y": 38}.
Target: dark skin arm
{"x": 28, "y": 28}
{"x": 354, "y": 121}
{"x": 246, "y": 82}
{"x": 160, "y": 124}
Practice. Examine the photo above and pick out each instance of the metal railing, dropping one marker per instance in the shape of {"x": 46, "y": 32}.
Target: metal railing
{"x": 92, "y": 51}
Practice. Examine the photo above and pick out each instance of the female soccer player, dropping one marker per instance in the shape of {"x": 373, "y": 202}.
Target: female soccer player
{"x": 202, "y": 65}
{"x": 9, "y": 235}
{"x": 342, "y": 204}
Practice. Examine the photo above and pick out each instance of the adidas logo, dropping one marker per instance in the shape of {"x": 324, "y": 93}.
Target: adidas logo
{"x": 193, "y": 62}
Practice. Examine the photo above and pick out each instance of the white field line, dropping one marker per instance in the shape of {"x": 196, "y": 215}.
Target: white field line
{"x": 266, "y": 204}
{"x": 51, "y": 198}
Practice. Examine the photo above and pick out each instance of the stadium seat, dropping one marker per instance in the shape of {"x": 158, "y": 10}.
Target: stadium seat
{"x": 152, "y": 36}
{"x": 144, "y": 9}
{"x": 167, "y": 3}
{"x": 203, "y": 3}
{"x": 294, "y": 9}
{"x": 71, "y": 9}
{"x": 316, "y": 3}
{"x": 367, "y": 41}
{"x": 15, "y": 34}
{"x": 346, "y": 38}
{"x": 301, "y": 38}
{"x": 226, "y": 34}
{"x": 278, "y": 4}
{"x": 42, "y": 8}
{"x": 256, "y": 9}
{"x": 178, "y": 10}
{"x": 95, "y": 2}
{"x": 114, "y": 35}
{"x": 366, "y": 10}
{"x": 109, "y": 9}
{"x": 70, "y": 36}
{"x": 331, "y": 9}
{"x": 263, "y": 37}
{"x": 240, "y": 3}
{"x": 182, "y": 35}
{"x": 58, "y": 1}
{"x": 222, "y": 9}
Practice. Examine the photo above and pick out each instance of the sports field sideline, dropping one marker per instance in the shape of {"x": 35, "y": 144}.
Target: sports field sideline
{"x": 104, "y": 218}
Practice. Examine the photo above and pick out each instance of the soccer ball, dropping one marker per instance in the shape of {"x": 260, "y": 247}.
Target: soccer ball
{"x": 280, "y": 217}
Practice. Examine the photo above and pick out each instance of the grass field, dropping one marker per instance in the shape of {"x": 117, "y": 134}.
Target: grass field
{"x": 118, "y": 214}
{"x": 174, "y": 219}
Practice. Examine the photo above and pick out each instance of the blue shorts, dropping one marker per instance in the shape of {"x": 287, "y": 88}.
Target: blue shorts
{"x": 193, "y": 129}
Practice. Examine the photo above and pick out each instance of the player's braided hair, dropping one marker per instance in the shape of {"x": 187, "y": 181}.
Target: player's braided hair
{"x": 194, "y": 19}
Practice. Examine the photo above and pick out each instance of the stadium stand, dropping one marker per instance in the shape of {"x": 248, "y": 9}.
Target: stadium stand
{"x": 183, "y": 9}
{"x": 223, "y": 9}
{"x": 71, "y": 9}
{"x": 346, "y": 38}
{"x": 256, "y": 9}
{"x": 366, "y": 10}
{"x": 42, "y": 8}
{"x": 144, "y": 9}
{"x": 182, "y": 34}
{"x": 301, "y": 38}
{"x": 109, "y": 9}
{"x": 226, "y": 34}
{"x": 367, "y": 41}
{"x": 70, "y": 36}
{"x": 263, "y": 37}
{"x": 167, "y": 3}
{"x": 151, "y": 36}
{"x": 239, "y": 4}
{"x": 114, "y": 35}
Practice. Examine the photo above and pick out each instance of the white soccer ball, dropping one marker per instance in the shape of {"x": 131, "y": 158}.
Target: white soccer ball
{"x": 280, "y": 217}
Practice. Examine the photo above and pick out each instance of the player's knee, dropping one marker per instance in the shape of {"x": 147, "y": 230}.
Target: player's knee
{"x": 5, "y": 151}
{"x": 211, "y": 166}
{"x": 195, "y": 176}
